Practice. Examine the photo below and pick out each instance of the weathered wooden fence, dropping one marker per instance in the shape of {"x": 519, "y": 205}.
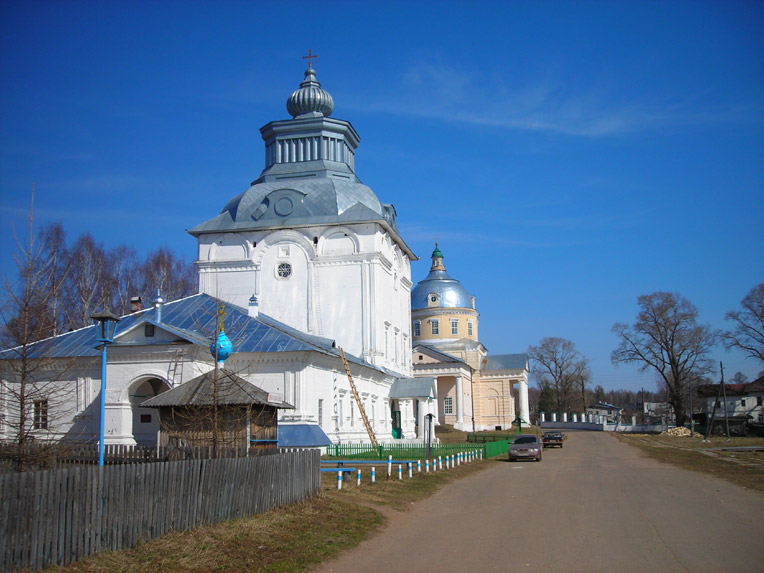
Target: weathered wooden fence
{"x": 64, "y": 455}
{"x": 60, "y": 516}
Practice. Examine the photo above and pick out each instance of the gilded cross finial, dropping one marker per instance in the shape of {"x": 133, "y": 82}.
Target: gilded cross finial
{"x": 310, "y": 57}
{"x": 222, "y": 314}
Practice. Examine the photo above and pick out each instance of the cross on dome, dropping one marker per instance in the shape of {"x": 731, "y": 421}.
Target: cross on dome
{"x": 310, "y": 57}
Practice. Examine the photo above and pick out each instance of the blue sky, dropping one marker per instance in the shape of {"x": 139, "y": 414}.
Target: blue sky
{"x": 568, "y": 156}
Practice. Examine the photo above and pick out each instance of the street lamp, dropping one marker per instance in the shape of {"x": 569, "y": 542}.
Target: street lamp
{"x": 106, "y": 325}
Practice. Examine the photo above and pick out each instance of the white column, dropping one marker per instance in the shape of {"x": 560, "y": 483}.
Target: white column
{"x": 564, "y": 416}
{"x": 420, "y": 417}
{"x": 575, "y": 417}
{"x": 543, "y": 417}
{"x": 459, "y": 401}
{"x": 554, "y": 416}
{"x": 522, "y": 390}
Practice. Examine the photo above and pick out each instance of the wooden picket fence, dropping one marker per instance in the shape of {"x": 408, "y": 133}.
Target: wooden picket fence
{"x": 60, "y": 516}
{"x": 64, "y": 455}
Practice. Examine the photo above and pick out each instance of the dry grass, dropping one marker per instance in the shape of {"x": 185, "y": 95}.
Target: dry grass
{"x": 742, "y": 468}
{"x": 293, "y": 538}
{"x": 397, "y": 494}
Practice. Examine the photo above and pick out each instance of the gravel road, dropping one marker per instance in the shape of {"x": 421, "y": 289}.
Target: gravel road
{"x": 594, "y": 505}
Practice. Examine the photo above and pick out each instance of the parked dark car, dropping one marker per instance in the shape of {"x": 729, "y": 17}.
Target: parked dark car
{"x": 525, "y": 446}
{"x": 550, "y": 439}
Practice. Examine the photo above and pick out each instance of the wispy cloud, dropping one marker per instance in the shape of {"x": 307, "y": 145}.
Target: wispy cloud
{"x": 469, "y": 97}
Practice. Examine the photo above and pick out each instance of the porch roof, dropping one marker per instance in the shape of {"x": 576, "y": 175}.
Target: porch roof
{"x": 413, "y": 388}
{"x": 231, "y": 390}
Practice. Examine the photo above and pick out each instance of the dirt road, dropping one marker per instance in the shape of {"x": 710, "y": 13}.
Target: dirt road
{"x": 594, "y": 505}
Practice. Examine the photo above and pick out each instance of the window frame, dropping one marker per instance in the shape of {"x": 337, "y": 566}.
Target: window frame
{"x": 40, "y": 419}
{"x": 454, "y": 326}
{"x": 448, "y": 405}
{"x": 435, "y": 327}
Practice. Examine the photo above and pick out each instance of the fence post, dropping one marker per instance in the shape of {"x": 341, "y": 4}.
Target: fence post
{"x": 400, "y": 472}
{"x": 440, "y": 462}
{"x": 373, "y": 474}
{"x": 358, "y": 480}
{"x": 419, "y": 466}
{"x": 339, "y": 480}
{"x": 426, "y": 466}
{"x": 389, "y": 466}
{"x": 409, "y": 470}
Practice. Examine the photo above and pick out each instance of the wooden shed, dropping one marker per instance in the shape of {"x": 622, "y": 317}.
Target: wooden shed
{"x": 218, "y": 410}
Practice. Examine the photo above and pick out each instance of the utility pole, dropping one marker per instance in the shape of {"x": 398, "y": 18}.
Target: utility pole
{"x": 724, "y": 398}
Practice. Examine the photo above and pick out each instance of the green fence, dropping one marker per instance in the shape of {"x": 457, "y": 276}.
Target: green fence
{"x": 493, "y": 449}
{"x": 482, "y": 438}
{"x": 398, "y": 451}
{"x": 411, "y": 451}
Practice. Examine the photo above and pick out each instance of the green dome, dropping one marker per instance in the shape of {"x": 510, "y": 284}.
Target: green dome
{"x": 436, "y": 252}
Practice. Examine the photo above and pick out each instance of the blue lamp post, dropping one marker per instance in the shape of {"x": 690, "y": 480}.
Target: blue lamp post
{"x": 106, "y": 325}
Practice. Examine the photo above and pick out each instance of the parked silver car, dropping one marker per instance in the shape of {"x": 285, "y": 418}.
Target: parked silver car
{"x": 525, "y": 446}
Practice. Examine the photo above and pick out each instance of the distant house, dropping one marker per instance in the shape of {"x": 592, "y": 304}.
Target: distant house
{"x": 658, "y": 413}
{"x": 743, "y": 406}
{"x": 609, "y": 411}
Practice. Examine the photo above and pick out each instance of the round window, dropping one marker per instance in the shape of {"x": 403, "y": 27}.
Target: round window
{"x": 284, "y": 270}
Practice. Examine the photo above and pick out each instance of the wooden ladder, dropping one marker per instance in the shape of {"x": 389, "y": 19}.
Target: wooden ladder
{"x": 361, "y": 409}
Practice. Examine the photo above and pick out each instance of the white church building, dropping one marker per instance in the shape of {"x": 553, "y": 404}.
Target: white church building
{"x": 306, "y": 260}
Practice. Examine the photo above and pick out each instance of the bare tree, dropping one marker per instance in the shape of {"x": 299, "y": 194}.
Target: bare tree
{"x": 28, "y": 396}
{"x": 125, "y": 280}
{"x": 87, "y": 284}
{"x": 558, "y": 365}
{"x": 169, "y": 274}
{"x": 738, "y": 378}
{"x": 667, "y": 338}
{"x": 747, "y": 333}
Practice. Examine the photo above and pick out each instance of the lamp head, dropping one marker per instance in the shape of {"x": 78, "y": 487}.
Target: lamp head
{"x": 106, "y": 325}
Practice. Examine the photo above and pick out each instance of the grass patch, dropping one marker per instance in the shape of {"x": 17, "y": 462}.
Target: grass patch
{"x": 396, "y": 494}
{"x": 742, "y": 468}
{"x": 292, "y": 538}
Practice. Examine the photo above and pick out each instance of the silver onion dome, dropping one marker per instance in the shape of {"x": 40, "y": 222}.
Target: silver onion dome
{"x": 310, "y": 99}
{"x": 448, "y": 292}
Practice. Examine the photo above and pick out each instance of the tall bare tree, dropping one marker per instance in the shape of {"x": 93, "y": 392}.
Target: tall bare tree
{"x": 166, "y": 272}
{"x": 559, "y": 366}
{"x": 28, "y": 396}
{"x": 88, "y": 281}
{"x": 667, "y": 338}
{"x": 747, "y": 333}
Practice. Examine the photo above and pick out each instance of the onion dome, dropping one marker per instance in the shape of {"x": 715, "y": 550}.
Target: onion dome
{"x": 310, "y": 100}
{"x": 439, "y": 289}
{"x": 221, "y": 348}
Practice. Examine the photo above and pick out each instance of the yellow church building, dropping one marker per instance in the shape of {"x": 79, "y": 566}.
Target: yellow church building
{"x": 475, "y": 391}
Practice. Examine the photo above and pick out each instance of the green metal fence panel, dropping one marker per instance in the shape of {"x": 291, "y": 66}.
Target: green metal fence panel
{"x": 398, "y": 451}
{"x": 493, "y": 449}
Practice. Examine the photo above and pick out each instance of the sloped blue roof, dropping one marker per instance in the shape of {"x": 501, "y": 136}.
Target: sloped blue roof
{"x": 194, "y": 319}
{"x": 506, "y": 362}
{"x": 302, "y": 436}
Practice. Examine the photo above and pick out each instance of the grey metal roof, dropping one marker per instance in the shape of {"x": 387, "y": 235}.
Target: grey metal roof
{"x": 505, "y": 362}
{"x": 449, "y": 290}
{"x": 412, "y": 388}
{"x": 435, "y": 353}
{"x": 194, "y": 319}
{"x": 231, "y": 390}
